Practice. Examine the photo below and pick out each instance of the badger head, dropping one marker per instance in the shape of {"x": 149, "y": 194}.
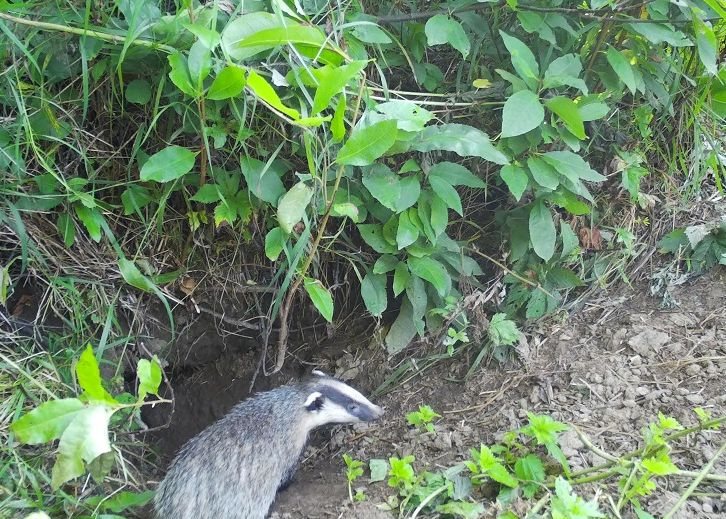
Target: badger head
{"x": 331, "y": 401}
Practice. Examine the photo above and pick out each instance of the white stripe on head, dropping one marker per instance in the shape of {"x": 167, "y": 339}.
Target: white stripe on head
{"x": 319, "y": 373}
{"x": 311, "y": 398}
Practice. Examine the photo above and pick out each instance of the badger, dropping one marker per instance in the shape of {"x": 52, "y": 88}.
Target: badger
{"x": 234, "y": 467}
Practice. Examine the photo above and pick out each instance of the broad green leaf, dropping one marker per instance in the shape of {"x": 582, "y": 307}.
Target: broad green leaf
{"x": 366, "y": 145}
{"x": 224, "y": 212}
{"x": 292, "y": 206}
{"x": 91, "y": 219}
{"x": 463, "y": 509}
{"x": 133, "y": 276}
{"x": 522, "y": 113}
{"x": 320, "y": 297}
{"x": 66, "y": 228}
{"x": 572, "y": 166}
{"x": 464, "y": 140}
{"x": 274, "y": 243}
{"x": 199, "y": 63}
{"x": 138, "y": 92}
{"x": 385, "y": 263}
{"x": 293, "y": 33}
{"x": 409, "y": 116}
{"x": 264, "y": 91}
{"x": 46, "y": 422}
{"x": 543, "y": 173}
{"x": 523, "y": 60}
{"x": 622, "y": 68}
{"x": 537, "y": 305}
{"x": 263, "y": 180}
{"x": 229, "y": 83}
{"x": 593, "y": 111}
{"x": 168, "y": 164}
{"x": 432, "y": 271}
{"x": 565, "y": 71}
{"x": 562, "y": 278}
{"x": 89, "y": 377}
{"x": 348, "y": 209}
{"x": 244, "y": 26}
{"x": 122, "y": 501}
{"x": 134, "y": 198}
{"x": 658, "y": 33}
{"x": 85, "y": 438}
{"x": 369, "y": 32}
{"x": 542, "y": 231}
{"x": 456, "y": 175}
{"x": 209, "y": 38}
{"x": 568, "y": 111}
{"x": 379, "y": 469}
{"x": 407, "y": 232}
{"x": 707, "y": 45}
{"x": 149, "y": 374}
{"x": 372, "y": 234}
{"x": 334, "y": 82}
{"x": 441, "y": 29}
{"x": 383, "y": 185}
{"x": 179, "y": 73}
{"x": 530, "y": 468}
{"x": 373, "y": 290}
{"x": 439, "y": 216}
{"x": 206, "y": 194}
{"x": 337, "y": 124}
{"x": 417, "y": 296}
{"x": 569, "y": 240}
{"x": 516, "y": 179}
{"x": 447, "y": 193}
{"x": 401, "y": 275}
{"x": 410, "y": 191}
{"x": 403, "y": 329}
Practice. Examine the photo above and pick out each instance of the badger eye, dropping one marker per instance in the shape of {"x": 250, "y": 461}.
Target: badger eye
{"x": 352, "y": 408}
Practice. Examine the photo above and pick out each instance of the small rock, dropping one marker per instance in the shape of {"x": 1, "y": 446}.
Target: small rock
{"x": 642, "y": 390}
{"x": 693, "y": 369}
{"x": 695, "y": 399}
{"x": 629, "y": 403}
{"x": 648, "y": 342}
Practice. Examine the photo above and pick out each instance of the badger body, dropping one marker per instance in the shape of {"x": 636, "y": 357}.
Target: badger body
{"x": 234, "y": 467}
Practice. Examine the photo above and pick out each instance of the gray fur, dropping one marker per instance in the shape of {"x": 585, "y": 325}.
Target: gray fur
{"x": 234, "y": 467}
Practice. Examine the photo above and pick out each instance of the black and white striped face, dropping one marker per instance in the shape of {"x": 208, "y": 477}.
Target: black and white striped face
{"x": 332, "y": 401}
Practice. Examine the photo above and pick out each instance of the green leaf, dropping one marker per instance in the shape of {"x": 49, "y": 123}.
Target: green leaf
{"x": 522, "y": 113}
{"x": 229, "y": 83}
{"x": 366, "y": 145}
{"x": 530, "y": 468}
{"x": 658, "y": 33}
{"x": 379, "y": 469}
{"x": 542, "y": 231}
{"x": 568, "y": 111}
{"x": 91, "y": 219}
{"x": 85, "y": 438}
{"x": 244, "y": 26}
{"x": 66, "y": 228}
{"x": 523, "y": 60}
{"x": 208, "y": 37}
{"x": 264, "y": 91}
{"x": 199, "y": 63}
{"x": 464, "y": 140}
{"x": 179, "y": 73}
{"x": 348, "y": 209}
{"x": 463, "y": 509}
{"x": 572, "y": 166}
{"x": 410, "y": 191}
{"x": 134, "y": 198}
{"x": 168, "y": 164}
{"x": 707, "y": 45}
{"x": 369, "y": 33}
{"x": 334, "y": 82}
{"x": 274, "y": 243}
{"x": 409, "y": 116}
{"x": 432, "y": 271}
{"x": 292, "y": 33}
{"x": 544, "y": 174}
{"x": 46, "y": 422}
{"x": 206, "y": 194}
{"x": 138, "y": 92}
{"x": 89, "y": 377}
{"x": 372, "y": 234}
{"x": 122, "y": 501}
{"x": 292, "y": 206}
{"x": 516, "y": 179}
{"x": 622, "y": 68}
{"x": 447, "y": 193}
{"x": 439, "y": 216}
{"x": 385, "y": 263}
{"x": 337, "y": 124}
{"x": 401, "y": 275}
{"x": 149, "y": 374}
{"x": 407, "y": 231}
{"x": 593, "y": 111}
{"x": 456, "y": 175}
{"x": 133, "y": 276}
{"x": 565, "y": 71}
{"x": 441, "y": 29}
{"x": 402, "y": 330}
{"x": 563, "y": 278}
{"x": 373, "y": 290}
{"x": 503, "y": 331}
{"x": 383, "y": 185}
{"x": 262, "y": 179}
{"x": 320, "y": 297}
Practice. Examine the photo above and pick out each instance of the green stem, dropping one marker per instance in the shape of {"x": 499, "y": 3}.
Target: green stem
{"x": 113, "y": 38}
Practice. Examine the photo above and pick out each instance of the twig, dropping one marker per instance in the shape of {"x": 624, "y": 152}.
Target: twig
{"x": 510, "y": 272}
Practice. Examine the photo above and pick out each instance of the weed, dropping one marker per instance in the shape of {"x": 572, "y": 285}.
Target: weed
{"x": 422, "y": 418}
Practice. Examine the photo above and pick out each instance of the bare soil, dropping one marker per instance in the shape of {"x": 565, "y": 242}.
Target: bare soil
{"x": 608, "y": 369}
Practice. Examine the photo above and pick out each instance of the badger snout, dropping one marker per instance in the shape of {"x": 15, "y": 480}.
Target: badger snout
{"x": 377, "y": 412}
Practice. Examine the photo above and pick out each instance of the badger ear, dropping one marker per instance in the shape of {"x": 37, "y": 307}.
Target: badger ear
{"x": 314, "y": 401}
